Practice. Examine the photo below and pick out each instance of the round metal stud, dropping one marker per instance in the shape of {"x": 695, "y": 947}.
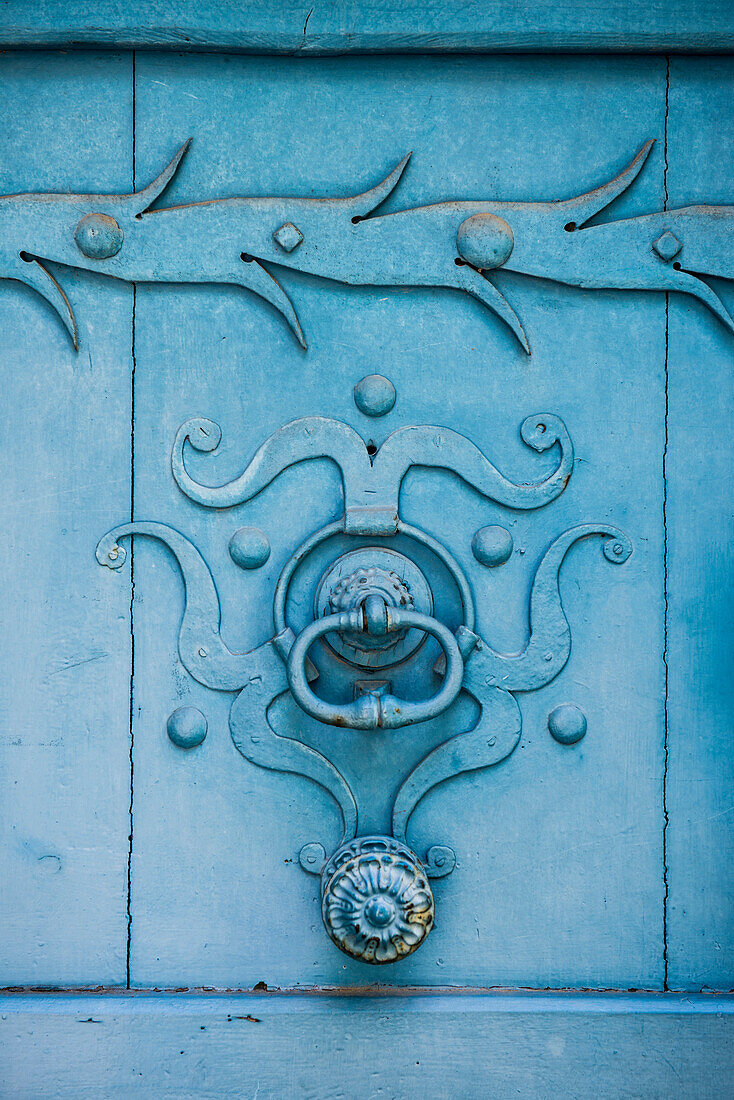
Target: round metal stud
{"x": 249, "y": 548}
{"x": 567, "y": 724}
{"x": 492, "y": 546}
{"x": 377, "y": 903}
{"x": 485, "y": 241}
{"x": 98, "y": 236}
{"x": 187, "y": 727}
{"x": 374, "y": 395}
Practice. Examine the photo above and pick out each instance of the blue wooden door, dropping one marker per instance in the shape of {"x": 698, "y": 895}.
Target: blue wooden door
{"x": 465, "y": 393}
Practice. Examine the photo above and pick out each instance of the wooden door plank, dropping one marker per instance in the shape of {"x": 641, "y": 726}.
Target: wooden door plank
{"x": 700, "y": 522}
{"x": 64, "y": 726}
{"x": 373, "y": 26}
{"x": 502, "y": 1045}
{"x": 560, "y": 850}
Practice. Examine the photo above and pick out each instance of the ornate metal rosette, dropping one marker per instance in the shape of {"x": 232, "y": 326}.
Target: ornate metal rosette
{"x": 373, "y": 570}
{"x": 377, "y": 904}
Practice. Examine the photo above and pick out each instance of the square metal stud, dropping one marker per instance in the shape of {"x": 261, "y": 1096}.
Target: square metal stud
{"x": 288, "y": 236}
{"x": 667, "y": 246}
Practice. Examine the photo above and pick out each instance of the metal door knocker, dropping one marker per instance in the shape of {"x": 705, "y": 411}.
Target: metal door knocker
{"x": 374, "y": 608}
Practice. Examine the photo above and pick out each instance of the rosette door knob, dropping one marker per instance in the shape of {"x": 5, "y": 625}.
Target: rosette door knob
{"x": 376, "y": 901}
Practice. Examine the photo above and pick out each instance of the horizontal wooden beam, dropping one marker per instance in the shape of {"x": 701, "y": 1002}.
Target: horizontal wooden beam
{"x": 432, "y": 1044}
{"x": 310, "y": 28}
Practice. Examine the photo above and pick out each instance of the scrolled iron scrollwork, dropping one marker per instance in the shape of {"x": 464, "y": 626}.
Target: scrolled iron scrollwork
{"x": 377, "y": 903}
{"x": 371, "y": 483}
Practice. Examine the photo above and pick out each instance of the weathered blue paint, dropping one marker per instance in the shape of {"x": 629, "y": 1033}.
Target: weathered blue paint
{"x": 543, "y": 1045}
{"x": 66, "y": 660}
{"x": 249, "y": 548}
{"x": 547, "y": 815}
{"x": 598, "y": 864}
{"x": 567, "y": 723}
{"x": 492, "y": 546}
{"x": 372, "y": 479}
{"x": 376, "y": 902}
{"x": 378, "y": 709}
{"x": 187, "y": 727}
{"x": 433, "y": 26}
{"x": 375, "y": 395}
{"x": 376, "y": 612}
{"x": 700, "y": 836}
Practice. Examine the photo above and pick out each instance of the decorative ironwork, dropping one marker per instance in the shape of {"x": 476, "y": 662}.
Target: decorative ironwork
{"x": 372, "y": 481}
{"x": 445, "y": 244}
{"x": 377, "y": 904}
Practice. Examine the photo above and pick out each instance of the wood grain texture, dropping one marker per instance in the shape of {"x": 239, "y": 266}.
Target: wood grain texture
{"x": 274, "y": 1047}
{"x": 559, "y": 880}
{"x": 377, "y": 26}
{"x": 700, "y": 803}
{"x": 65, "y": 672}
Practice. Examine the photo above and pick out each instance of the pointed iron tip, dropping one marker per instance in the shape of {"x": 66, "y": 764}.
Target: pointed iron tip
{"x": 40, "y": 279}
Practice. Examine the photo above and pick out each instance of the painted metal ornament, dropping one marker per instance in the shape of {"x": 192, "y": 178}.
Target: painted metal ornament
{"x": 187, "y": 727}
{"x": 492, "y": 546}
{"x": 249, "y": 547}
{"x": 376, "y": 901}
{"x": 444, "y": 244}
{"x": 373, "y": 571}
{"x": 567, "y": 724}
{"x": 377, "y": 904}
{"x": 374, "y": 395}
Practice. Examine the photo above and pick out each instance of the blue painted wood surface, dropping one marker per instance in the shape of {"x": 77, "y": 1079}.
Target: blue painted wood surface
{"x": 210, "y": 904}
{"x": 371, "y": 26}
{"x": 65, "y": 670}
{"x": 503, "y": 1045}
{"x": 601, "y": 864}
{"x": 700, "y": 848}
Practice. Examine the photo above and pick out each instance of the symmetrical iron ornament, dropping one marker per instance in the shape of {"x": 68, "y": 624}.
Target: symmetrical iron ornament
{"x": 446, "y": 244}
{"x": 377, "y": 903}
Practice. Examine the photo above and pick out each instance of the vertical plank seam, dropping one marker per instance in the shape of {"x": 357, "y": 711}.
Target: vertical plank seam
{"x": 666, "y": 884}
{"x": 132, "y": 586}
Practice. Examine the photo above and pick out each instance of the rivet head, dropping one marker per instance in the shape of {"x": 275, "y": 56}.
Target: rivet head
{"x": 288, "y": 237}
{"x": 98, "y": 236}
{"x": 567, "y": 724}
{"x": 667, "y": 246}
{"x": 492, "y": 546}
{"x": 374, "y": 395}
{"x": 187, "y": 727}
{"x": 485, "y": 241}
{"x": 249, "y": 548}
{"x": 312, "y": 858}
